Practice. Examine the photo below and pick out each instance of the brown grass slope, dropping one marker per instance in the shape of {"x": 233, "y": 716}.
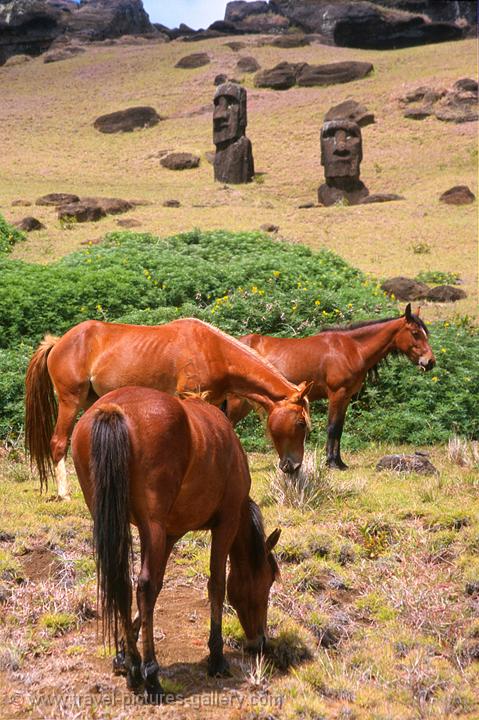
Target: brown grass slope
{"x": 49, "y": 145}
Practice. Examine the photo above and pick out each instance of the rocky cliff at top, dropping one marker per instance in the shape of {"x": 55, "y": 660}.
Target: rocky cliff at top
{"x": 31, "y": 26}
{"x": 355, "y": 23}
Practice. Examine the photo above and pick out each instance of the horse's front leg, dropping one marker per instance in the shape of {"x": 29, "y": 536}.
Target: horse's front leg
{"x": 221, "y": 539}
{"x": 338, "y": 404}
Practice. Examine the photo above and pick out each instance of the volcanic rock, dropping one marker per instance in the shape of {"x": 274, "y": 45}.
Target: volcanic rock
{"x": 329, "y": 74}
{"x": 172, "y": 203}
{"x": 220, "y": 79}
{"x": 28, "y": 224}
{"x": 458, "y": 195}
{"x": 269, "y": 227}
{"x": 420, "y": 113}
{"x": 109, "y": 206}
{"x": 17, "y": 60}
{"x": 445, "y": 293}
{"x": 128, "y": 223}
{"x": 380, "y": 198}
{"x": 57, "y": 199}
{"x": 64, "y": 54}
{"x": 21, "y": 203}
{"x": 280, "y": 77}
{"x": 404, "y": 288}
{"x": 417, "y": 463}
{"x": 195, "y": 60}
{"x": 133, "y": 118}
{"x": 290, "y": 41}
{"x": 247, "y": 64}
{"x": 350, "y": 110}
{"x": 80, "y": 212}
{"x": 180, "y": 161}
{"x": 235, "y": 45}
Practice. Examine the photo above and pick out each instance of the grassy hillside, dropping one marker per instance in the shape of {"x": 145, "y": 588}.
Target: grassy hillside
{"x": 49, "y": 145}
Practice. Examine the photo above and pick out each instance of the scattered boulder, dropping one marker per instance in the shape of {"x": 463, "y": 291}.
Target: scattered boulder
{"x": 285, "y": 75}
{"x": 17, "y": 60}
{"x": 21, "y": 203}
{"x": 195, "y": 60}
{"x": 57, "y": 199}
{"x": 420, "y": 113}
{"x": 417, "y": 463}
{"x": 350, "y": 110}
{"x": 80, "y": 212}
{"x": 306, "y": 206}
{"x": 235, "y": 45}
{"x": 332, "y": 73}
{"x": 290, "y": 41}
{"x": 457, "y": 195}
{"x": 128, "y": 223}
{"x": 445, "y": 293}
{"x": 220, "y": 79}
{"x": 64, "y": 54}
{"x": 133, "y": 118}
{"x": 380, "y": 198}
{"x": 180, "y": 161}
{"x": 172, "y": 203}
{"x": 404, "y": 288}
{"x": 247, "y": 64}
{"x": 109, "y": 206}
{"x": 280, "y": 77}
{"x": 28, "y": 224}
{"x": 269, "y": 227}
{"x": 458, "y": 104}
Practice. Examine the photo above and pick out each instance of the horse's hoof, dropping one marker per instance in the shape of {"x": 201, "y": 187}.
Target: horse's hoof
{"x": 119, "y": 665}
{"x": 335, "y": 465}
{"x": 154, "y": 695}
{"x": 219, "y": 668}
{"x": 133, "y": 678}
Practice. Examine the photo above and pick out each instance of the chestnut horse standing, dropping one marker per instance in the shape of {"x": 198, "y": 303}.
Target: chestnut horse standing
{"x": 181, "y": 356}
{"x": 169, "y": 466}
{"x": 336, "y": 362}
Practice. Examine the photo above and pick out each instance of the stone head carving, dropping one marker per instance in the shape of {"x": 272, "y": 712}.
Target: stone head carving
{"x": 229, "y": 116}
{"x": 341, "y": 149}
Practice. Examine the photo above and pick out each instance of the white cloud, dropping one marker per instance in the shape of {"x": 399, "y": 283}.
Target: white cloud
{"x": 195, "y": 13}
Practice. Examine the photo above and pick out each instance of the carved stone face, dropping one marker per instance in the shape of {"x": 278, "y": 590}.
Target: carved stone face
{"x": 229, "y": 116}
{"x": 341, "y": 148}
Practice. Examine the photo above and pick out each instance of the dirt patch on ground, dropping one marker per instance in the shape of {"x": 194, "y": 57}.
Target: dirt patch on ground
{"x": 40, "y": 563}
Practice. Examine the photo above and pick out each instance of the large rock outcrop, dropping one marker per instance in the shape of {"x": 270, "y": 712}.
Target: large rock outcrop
{"x": 352, "y": 23}
{"x": 31, "y": 26}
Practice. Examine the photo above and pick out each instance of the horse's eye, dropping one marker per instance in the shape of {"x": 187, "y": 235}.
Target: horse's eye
{"x": 301, "y": 422}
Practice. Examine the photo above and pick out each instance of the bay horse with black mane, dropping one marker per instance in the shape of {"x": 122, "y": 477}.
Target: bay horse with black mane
{"x": 336, "y": 362}
{"x": 169, "y": 466}
{"x": 185, "y": 355}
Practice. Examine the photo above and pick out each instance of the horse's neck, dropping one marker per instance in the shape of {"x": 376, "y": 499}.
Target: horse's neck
{"x": 255, "y": 380}
{"x": 242, "y": 551}
{"x": 376, "y": 341}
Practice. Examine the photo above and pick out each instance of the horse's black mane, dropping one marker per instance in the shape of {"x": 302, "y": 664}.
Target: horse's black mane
{"x": 257, "y": 550}
{"x": 365, "y": 323}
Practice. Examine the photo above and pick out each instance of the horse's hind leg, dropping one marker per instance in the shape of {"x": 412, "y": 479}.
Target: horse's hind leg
{"x": 221, "y": 539}
{"x": 156, "y": 550}
{"x": 68, "y": 408}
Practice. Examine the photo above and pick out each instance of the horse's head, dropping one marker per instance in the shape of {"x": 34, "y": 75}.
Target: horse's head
{"x": 288, "y": 426}
{"x": 412, "y": 340}
{"x": 248, "y": 591}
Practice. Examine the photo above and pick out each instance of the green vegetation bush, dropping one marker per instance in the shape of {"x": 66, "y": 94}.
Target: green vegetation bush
{"x": 9, "y": 236}
{"x": 241, "y": 282}
{"x": 437, "y": 277}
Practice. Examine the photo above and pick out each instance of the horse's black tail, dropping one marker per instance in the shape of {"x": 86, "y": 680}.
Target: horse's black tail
{"x": 110, "y": 454}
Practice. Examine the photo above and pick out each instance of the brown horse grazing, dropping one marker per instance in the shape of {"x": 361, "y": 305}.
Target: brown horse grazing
{"x": 181, "y": 356}
{"x": 169, "y": 466}
{"x": 336, "y": 362}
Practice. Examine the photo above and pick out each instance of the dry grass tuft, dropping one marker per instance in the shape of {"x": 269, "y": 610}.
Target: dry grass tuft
{"x": 462, "y": 452}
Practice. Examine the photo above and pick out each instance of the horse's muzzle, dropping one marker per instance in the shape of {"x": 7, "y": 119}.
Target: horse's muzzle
{"x": 427, "y": 364}
{"x": 288, "y": 466}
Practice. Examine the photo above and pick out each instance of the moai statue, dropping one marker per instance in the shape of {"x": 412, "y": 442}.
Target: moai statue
{"x": 234, "y": 156}
{"x": 341, "y": 155}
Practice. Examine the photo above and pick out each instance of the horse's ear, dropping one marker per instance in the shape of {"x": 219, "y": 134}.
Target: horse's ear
{"x": 304, "y": 388}
{"x": 272, "y": 539}
{"x": 408, "y": 313}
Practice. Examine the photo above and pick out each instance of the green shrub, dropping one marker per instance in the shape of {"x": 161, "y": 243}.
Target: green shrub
{"x": 437, "y": 277}
{"x": 9, "y": 236}
{"x": 241, "y": 282}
